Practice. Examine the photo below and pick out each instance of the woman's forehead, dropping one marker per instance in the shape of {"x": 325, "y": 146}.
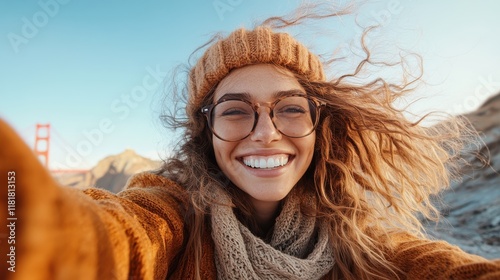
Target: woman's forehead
{"x": 260, "y": 81}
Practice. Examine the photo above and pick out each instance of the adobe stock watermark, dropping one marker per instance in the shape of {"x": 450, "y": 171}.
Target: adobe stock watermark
{"x": 121, "y": 107}
{"x": 487, "y": 87}
{"x": 11, "y": 220}
{"x": 384, "y": 16}
{"x": 223, "y": 6}
{"x": 377, "y": 18}
{"x": 31, "y": 26}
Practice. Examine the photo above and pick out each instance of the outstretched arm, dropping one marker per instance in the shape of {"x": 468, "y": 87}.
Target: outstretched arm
{"x": 63, "y": 233}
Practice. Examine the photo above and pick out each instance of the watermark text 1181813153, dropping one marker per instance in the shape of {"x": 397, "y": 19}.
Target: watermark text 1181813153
{"x": 11, "y": 220}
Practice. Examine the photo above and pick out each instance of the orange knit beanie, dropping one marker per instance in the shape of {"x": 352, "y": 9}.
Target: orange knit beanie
{"x": 245, "y": 47}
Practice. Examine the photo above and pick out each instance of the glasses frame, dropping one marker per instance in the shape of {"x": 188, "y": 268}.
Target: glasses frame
{"x": 207, "y": 111}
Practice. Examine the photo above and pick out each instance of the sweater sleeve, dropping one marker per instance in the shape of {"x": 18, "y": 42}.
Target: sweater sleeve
{"x": 426, "y": 259}
{"x": 64, "y": 233}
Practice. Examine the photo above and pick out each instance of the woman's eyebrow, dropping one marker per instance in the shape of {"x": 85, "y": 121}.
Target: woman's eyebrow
{"x": 235, "y": 95}
{"x": 282, "y": 93}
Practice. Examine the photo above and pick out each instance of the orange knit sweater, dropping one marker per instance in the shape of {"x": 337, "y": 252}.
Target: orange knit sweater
{"x": 63, "y": 233}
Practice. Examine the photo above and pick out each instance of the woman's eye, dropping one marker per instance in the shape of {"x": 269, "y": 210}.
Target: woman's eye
{"x": 292, "y": 110}
{"x": 234, "y": 112}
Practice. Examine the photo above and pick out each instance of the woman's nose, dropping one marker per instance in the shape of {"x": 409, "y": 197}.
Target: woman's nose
{"x": 265, "y": 131}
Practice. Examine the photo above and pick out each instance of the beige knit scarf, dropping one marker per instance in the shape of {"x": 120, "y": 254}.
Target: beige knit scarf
{"x": 299, "y": 246}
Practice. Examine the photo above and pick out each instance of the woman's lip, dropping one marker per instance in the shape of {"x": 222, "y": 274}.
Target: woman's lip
{"x": 264, "y": 153}
{"x": 264, "y": 156}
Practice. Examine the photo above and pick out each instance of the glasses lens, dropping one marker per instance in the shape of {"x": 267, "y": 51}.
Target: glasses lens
{"x": 232, "y": 120}
{"x": 295, "y": 116}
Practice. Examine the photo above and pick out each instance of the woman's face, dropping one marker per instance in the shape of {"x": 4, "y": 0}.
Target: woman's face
{"x": 261, "y": 83}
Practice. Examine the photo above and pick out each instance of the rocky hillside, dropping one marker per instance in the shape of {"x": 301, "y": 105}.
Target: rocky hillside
{"x": 472, "y": 206}
{"x": 111, "y": 173}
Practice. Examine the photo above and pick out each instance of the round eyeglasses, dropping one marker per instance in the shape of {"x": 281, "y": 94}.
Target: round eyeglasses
{"x": 234, "y": 119}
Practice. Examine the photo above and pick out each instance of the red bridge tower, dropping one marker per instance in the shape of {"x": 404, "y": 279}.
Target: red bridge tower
{"x": 42, "y": 141}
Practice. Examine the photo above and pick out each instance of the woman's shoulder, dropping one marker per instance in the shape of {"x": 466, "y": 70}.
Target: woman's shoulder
{"x": 150, "y": 184}
{"x": 150, "y": 179}
{"x": 407, "y": 244}
{"x": 421, "y": 258}
{"x": 148, "y": 191}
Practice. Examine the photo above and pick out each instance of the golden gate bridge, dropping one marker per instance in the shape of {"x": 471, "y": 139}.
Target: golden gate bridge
{"x": 42, "y": 148}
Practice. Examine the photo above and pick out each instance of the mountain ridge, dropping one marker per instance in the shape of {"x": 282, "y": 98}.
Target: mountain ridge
{"x": 110, "y": 173}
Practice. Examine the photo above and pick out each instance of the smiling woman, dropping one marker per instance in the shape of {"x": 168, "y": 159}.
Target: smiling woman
{"x": 265, "y": 141}
{"x": 282, "y": 173}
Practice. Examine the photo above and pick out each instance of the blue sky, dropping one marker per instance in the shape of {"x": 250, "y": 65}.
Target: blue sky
{"x": 94, "y": 69}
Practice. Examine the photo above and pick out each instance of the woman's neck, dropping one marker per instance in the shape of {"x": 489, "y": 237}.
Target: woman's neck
{"x": 266, "y": 213}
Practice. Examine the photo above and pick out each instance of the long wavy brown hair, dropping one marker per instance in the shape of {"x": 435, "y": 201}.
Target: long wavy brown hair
{"x": 374, "y": 171}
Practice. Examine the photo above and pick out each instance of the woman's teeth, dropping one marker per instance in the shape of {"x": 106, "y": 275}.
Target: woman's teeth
{"x": 265, "y": 162}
